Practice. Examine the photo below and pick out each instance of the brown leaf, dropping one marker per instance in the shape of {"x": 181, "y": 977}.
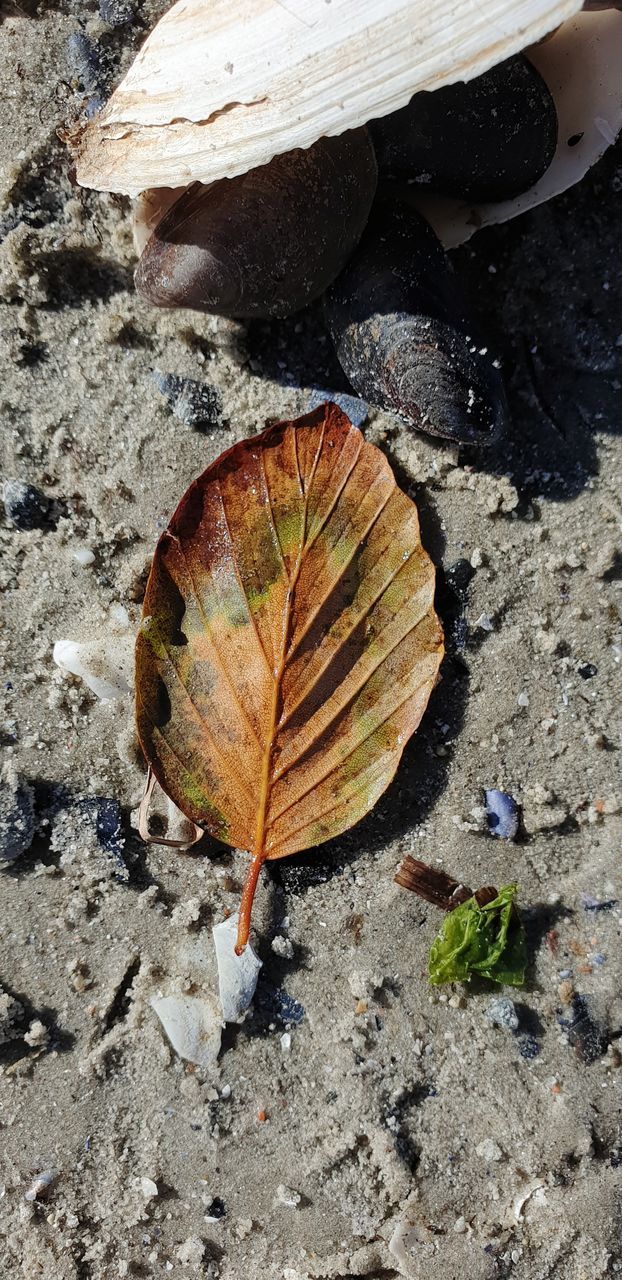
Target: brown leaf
{"x": 289, "y": 642}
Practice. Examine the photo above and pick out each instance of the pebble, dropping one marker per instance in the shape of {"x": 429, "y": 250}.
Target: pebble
{"x": 282, "y": 947}
{"x": 288, "y": 1196}
{"x": 17, "y": 815}
{"x": 84, "y": 62}
{"x": 279, "y": 1006}
{"x": 501, "y": 1012}
{"x": 109, "y": 831}
{"x": 149, "y": 1188}
{"x": 196, "y": 404}
{"x": 528, "y": 1047}
{"x": 25, "y": 506}
{"x": 587, "y": 670}
{"x": 587, "y": 1036}
{"x": 116, "y": 12}
{"x": 40, "y": 1185}
{"x": 484, "y": 622}
{"x": 488, "y": 1149}
{"x": 502, "y": 814}
{"x": 37, "y": 1035}
{"x": 84, "y": 556}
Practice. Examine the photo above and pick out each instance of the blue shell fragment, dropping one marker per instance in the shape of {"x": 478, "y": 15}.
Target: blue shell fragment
{"x": 356, "y": 409}
{"x": 502, "y": 814}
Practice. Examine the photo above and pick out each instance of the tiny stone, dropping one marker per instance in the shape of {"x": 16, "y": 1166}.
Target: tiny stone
{"x": 282, "y": 947}
{"x": 196, "y": 404}
{"x": 488, "y": 1149}
{"x": 84, "y": 556}
{"x": 37, "y": 1035}
{"x": 587, "y": 670}
{"x": 286, "y": 1042}
{"x": 191, "y": 1253}
{"x": 115, "y": 12}
{"x": 288, "y": 1196}
{"x": 460, "y": 1226}
{"x": 477, "y": 560}
{"x": 25, "y": 506}
{"x": 528, "y": 1047}
{"x": 485, "y": 622}
{"x": 523, "y": 698}
{"x": 148, "y": 1188}
{"x": 501, "y": 1012}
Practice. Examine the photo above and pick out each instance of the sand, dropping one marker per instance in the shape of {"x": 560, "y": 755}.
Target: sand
{"x": 359, "y": 1122}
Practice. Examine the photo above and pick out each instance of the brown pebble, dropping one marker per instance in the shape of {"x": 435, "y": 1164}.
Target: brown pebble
{"x": 565, "y": 991}
{"x": 262, "y": 1116}
{"x": 361, "y": 1006}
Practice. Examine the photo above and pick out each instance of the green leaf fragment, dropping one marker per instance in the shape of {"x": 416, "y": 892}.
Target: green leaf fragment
{"x": 488, "y": 940}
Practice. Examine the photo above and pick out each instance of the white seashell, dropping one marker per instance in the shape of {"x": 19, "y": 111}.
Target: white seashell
{"x": 193, "y": 1024}
{"x": 237, "y": 975}
{"x": 582, "y": 66}
{"x": 106, "y": 665}
{"x": 220, "y": 88}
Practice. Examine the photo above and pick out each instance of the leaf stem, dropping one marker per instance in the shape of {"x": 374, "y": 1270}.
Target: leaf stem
{"x": 248, "y": 893}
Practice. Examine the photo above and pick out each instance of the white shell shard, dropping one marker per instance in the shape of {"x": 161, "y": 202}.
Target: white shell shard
{"x": 219, "y": 88}
{"x": 105, "y": 665}
{"x": 582, "y": 66}
{"x": 237, "y": 975}
{"x": 193, "y": 1024}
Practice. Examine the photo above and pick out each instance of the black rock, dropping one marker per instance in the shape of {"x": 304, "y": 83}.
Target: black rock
{"x": 588, "y": 1037}
{"x": 25, "y": 506}
{"x": 116, "y": 12}
{"x": 196, "y": 404}
{"x": 403, "y": 333}
{"x": 85, "y": 63}
{"x": 489, "y": 139}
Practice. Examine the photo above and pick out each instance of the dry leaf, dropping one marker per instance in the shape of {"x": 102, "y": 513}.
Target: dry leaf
{"x": 289, "y": 642}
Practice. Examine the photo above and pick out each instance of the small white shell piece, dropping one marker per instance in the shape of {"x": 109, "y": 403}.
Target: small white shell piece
{"x": 219, "y": 87}
{"x": 582, "y": 66}
{"x": 193, "y": 1024}
{"x": 105, "y": 665}
{"x": 237, "y": 975}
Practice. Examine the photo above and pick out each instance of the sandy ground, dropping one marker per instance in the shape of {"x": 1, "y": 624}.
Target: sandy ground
{"x": 397, "y": 1132}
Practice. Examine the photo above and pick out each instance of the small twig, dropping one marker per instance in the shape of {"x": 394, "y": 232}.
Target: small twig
{"x": 437, "y": 887}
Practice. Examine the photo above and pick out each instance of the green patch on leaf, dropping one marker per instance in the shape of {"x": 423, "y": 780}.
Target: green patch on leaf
{"x": 488, "y": 940}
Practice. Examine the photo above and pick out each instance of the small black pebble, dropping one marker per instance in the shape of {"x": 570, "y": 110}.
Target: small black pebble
{"x": 587, "y": 670}
{"x": 116, "y": 12}
{"x": 528, "y": 1047}
{"x": 458, "y": 576}
{"x": 84, "y": 62}
{"x": 196, "y": 404}
{"x": 588, "y": 1037}
{"x": 273, "y": 1004}
{"x": 217, "y": 1209}
{"x": 25, "y": 506}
